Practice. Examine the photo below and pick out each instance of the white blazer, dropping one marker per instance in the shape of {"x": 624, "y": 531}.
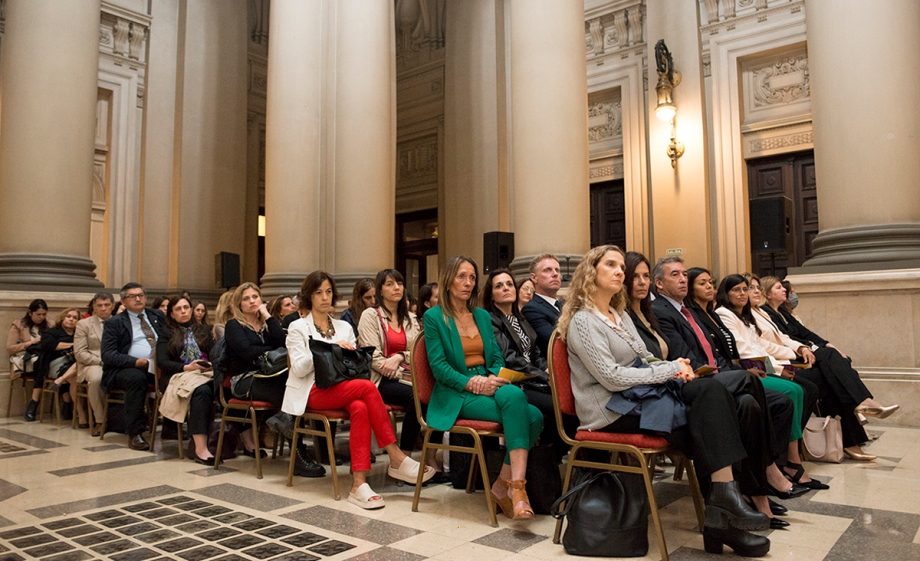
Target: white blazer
{"x": 301, "y": 374}
{"x": 751, "y": 345}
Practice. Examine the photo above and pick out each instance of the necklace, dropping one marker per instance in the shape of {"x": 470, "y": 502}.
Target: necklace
{"x": 328, "y": 332}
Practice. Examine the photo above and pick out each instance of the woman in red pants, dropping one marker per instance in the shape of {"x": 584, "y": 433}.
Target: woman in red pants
{"x": 359, "y": 397}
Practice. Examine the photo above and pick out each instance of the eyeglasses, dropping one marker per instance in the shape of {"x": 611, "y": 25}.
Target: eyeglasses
{"x": 135, "y": 296}
{"x": 740, "y": 289}
{"x": 754, "y": 288}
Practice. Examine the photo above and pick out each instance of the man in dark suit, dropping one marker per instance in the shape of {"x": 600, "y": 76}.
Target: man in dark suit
{"x": 543, "y": 310}
{"x": 128, "y": 343}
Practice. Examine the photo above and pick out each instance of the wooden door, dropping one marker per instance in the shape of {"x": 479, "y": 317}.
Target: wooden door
{"x": 608, "y": 214}
{"x": 791, "y": 176}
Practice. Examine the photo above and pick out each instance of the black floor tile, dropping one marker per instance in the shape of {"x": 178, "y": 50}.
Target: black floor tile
{"x": 278, "y": 531}
{"x": 48, "y": 549}
{"x": 232, "y": 517}
{"x": 70, "y": 556}
{"x": 135, "y": 555}
{"x": 176, "y": 519}
{"x": 240, "y": 542}
{"x": 158, "y": 536}
{"x": 179, "y": 544}
{"x": 30, "y": 541}
{"x": 104, "y": 515}
{"x": 218, "y": 534}
{"x": 114, "y": 547}
{"x": 174, "y": 500}
{"x": 65, "y": 523}
{"x": 141, "y": 507}
{"x": 13, "y": 557}
{"x": 19, "y": 532}
{"x": 296, "y": 556}
{"x": 201, "y": 553}
{"x": 76, "y": 531}
{"x": 266, "y": 551}
{"x": 330, "y": 548}
{"x": 192, "y": 505}
{"x": 195, "y": 527}
{"x": 157, "y": 513}
{"x": 120, "y": 521}
{"x": 304, "y": 539}
{"x": 136, "y": 529}
{"x": 232, "y": 557}
{"x": 212, "y": 511}
{"x": 94, "y": 539}
{"x": 254, "y": 524}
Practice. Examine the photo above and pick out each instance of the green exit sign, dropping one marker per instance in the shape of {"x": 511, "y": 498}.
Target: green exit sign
{"x": 676, "y": 251}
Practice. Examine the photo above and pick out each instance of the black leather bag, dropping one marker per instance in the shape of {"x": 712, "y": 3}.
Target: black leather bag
{"x": 273, "y": 362}
{"x": 333, "y": 364}
{"x": 544, "y": 484}
{"x": 607, "y": 515}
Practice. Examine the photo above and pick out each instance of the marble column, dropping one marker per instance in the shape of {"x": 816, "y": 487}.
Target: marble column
{"x": 866, "y": 110}
{"x": 293, "y": 148}
{"x": 365, "y": 140}
{"x": 49, "y": 66}
{"x": 549, "y": 124}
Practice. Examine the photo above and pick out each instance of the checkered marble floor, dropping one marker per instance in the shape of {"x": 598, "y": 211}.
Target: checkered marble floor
{"x": 65, "y": 495}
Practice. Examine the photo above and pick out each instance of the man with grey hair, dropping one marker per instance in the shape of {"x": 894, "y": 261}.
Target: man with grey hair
{"x": 128, "y": 343}
{"x": 543, "y": 310}
{"x": 87, "y": 350}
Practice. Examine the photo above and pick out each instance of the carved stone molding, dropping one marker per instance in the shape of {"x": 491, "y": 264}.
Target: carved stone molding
{"x": 611, "y": 171}
{"x": 136, "y": 40}
{"x": 765, "y": 144}
{"x": 120, "y": 30}
{"x": 258, "y": 78}
{"x": 596, "y": 31}
{"x": 608, "y": 118}
{"x": 712, "y": 10}
{"x": 783, "y": 81}
{"x": 417, "y": 160}
{"x": 420, "y": 30}
{"x": 614, "y": 30}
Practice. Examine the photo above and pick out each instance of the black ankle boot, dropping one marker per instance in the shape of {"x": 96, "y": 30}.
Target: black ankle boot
{"x": 305, "y": 465}
{"x": 744, "y": 544}
{"x": 725, "y": 508}
{"x": 31, "y": 407}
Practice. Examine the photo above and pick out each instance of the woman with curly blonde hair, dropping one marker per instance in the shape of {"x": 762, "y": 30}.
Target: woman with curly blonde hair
{"x": 619, "y": 387}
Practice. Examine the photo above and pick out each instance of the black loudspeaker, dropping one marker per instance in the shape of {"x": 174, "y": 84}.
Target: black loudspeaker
{"x": 227, "y": 269}
{"x": 497, "y": 250}
{"x": 771, "y": 225}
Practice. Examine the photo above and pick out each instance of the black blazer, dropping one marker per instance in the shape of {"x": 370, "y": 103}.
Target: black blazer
{"x": 792, "y": 327}
{"x": 51, "y": 338}
{"x": 117, "y": 336}
{"x": 542, "y": 316}
{"x": 713, "y": 327}
{"x": 170, "y": 364}
{"x": 244, "y": 345}
{"x": 682, "y": 341}
{"x": 651, "y": 343}
{"x": 513, "y": 349}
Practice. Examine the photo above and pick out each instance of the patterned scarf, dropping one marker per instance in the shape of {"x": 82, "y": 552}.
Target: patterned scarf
{"x": 525, "y": 340}
{"x": 190, "y": 351}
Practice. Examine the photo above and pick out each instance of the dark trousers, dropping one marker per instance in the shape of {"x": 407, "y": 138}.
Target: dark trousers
{"x": 133, "y": 381}
{"x": 263, "y": 389}
{"x": 853, "y": 433}
{"x": 711, "y": 437}
{"x": 394, "y": 392}
{"x": 781, "y": 413}
{"x": 200, "y": 414}
{"x": 804, "y": 379}
{"x": 840, "y": 377}
{"x": 550, "y": 435}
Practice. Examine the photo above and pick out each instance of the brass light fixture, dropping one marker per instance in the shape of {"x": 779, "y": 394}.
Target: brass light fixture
{"x": 668, "y": 79}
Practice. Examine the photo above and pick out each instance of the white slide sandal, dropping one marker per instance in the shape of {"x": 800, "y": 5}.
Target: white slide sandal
{"x": 408, "y": 471}
{"x": 364, "y": 498}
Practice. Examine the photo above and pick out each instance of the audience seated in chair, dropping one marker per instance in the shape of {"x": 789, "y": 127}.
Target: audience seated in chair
{"x": 24, "y": 333}
{"x": 128, "y": 343}
{"x": 87, "y": 345}
{"x": 542, "y": 311}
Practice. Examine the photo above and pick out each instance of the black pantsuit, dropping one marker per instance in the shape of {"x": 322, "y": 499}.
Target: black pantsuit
{"x": 199, "y": 410}
{"x": 133, "y": 381}
{"x": 397, "y": 393}
{"x": 853, "y": 433}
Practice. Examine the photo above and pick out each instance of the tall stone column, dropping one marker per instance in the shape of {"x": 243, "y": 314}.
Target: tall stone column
{"x": 866, "y": 110}
{"x": 365, "y": 140}
{"x": 549, "y": 123}
{"x": 49, "y": 67}
{"x": 293, "y": 150}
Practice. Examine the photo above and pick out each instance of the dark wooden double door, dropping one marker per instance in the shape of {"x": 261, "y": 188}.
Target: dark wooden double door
{"x": 608, "y": 214}
{"x": 791, "y": 176}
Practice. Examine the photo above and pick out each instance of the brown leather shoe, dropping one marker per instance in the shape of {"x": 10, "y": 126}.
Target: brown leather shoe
{"x": 139, "y": 443}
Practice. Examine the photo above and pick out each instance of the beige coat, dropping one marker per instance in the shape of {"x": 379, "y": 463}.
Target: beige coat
{"x": 175, "y": 402}
{"x": 18, "y": 340}
{"x": 87, "y": 348}
{"x": 370, "y": 334}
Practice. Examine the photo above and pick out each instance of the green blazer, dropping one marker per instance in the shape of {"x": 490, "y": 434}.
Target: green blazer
{"x": 445, "y": 355}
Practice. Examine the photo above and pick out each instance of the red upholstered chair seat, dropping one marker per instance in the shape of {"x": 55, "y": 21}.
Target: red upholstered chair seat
{"x": 478, "y": 425}
{"x": 637, "y": 440}
{"x": 247, "y": 403}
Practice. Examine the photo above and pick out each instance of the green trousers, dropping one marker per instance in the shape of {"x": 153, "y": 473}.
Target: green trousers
{"x": 521, "y": 421}
{"x": 796, "y": 394}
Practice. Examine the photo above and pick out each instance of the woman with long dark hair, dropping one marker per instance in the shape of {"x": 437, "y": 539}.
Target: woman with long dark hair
{"x": 57, "y": 359}
{"x": 24, "y": 333}
{"x": 183, "y": 361}
{"x": 363, "y": 296}
{"x": 427, "y": 299}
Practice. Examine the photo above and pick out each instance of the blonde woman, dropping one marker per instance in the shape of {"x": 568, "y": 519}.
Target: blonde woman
{"x": 222, "y": 314}
{"x": 608, "y": 360}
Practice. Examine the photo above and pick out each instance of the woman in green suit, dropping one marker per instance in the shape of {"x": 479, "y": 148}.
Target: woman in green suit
{"x": 465, "y": 359}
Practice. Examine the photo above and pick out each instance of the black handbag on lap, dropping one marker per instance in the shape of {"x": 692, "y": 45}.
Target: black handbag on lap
{"x": 333, "y": 364}
{"x": 607, "y": 515}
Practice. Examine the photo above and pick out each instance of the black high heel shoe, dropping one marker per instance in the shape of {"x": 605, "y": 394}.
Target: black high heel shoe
{"x": 726, "y": 508}
{"x": 797, "y": 477}
{"x": 744, "y": 544}
{"x": 796, "y": 491}
{"x": 252, "y": 453}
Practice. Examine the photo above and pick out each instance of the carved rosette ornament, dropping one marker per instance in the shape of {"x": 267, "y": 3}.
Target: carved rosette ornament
{"x": 784, "y": 81}
{"x": 613, "y": 126}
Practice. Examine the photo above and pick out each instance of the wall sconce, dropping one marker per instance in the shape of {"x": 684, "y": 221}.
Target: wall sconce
{"x": 668, "y": 79}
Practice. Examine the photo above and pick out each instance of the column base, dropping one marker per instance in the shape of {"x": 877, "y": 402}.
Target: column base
{"x": 345, "y": 282}
{"x": 865, "y": 248}
{"x": 520, "y": 267}
{"x": 275, "y": 284}
{"x": 42, "y": 271}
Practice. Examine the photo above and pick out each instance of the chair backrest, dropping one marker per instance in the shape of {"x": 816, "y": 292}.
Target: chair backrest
{"x": 422, "y": 376}
{"x": 560, "y": 382}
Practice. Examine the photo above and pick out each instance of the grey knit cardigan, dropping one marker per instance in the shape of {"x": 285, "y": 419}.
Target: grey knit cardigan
{"x": 601, "y": 359}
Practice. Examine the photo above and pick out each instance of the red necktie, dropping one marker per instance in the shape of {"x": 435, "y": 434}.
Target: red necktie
{"x": 707, "y": 348}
